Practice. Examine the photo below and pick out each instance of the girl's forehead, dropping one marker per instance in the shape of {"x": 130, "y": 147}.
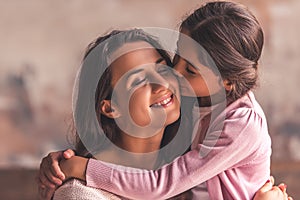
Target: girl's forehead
{"x": 188, "y": 48}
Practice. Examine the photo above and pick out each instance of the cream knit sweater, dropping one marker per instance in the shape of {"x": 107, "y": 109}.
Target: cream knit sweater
{"x": 76, "y": 189}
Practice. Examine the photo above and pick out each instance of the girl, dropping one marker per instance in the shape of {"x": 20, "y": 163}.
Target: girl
{"x": 230, "y": 153}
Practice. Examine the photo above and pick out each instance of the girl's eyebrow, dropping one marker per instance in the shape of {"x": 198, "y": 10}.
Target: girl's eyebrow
{"x": 191, "y": 64}
{"x": 159, "y": 60}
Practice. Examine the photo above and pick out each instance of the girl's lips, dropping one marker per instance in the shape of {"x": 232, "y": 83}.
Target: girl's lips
{"x": 165, "y": 101}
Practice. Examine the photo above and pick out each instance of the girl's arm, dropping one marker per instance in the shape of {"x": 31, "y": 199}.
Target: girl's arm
{"x": 268, "y": 191}
{"x": 238, "y": 140}
{"x": 74, "y": 167}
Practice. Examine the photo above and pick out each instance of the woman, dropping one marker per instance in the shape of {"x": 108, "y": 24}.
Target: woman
{"x": 135, "y": 88}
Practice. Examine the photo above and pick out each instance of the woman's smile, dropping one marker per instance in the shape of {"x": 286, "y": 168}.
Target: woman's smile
{"x": 164, "y": 101}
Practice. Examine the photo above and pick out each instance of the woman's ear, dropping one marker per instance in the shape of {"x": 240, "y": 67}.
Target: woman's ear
{"x": 108, "y": 110}
{"x": 227, "y": 85}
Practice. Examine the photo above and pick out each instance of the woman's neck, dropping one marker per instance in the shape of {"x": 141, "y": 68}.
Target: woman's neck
{"x": 134, "y": 152}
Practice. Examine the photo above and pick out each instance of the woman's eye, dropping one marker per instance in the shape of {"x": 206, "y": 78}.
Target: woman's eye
{"x": 138, "y": 82}
{"x": 163, "y": 70}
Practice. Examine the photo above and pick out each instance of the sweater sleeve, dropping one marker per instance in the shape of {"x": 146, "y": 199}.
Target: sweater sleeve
{"x": 225, "y": 147}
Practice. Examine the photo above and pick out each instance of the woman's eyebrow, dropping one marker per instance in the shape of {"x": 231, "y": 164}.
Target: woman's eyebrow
{"x": 136, "y": 71}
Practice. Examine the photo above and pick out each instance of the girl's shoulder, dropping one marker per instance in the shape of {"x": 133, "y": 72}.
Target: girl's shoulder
{"x": 246, "y": 105}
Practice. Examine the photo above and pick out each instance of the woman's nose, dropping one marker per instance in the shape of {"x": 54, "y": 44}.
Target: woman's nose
{"x": 159, "y": 83}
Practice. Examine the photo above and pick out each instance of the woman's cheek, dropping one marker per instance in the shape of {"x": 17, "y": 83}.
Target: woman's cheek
{"x": 139, "y": 109}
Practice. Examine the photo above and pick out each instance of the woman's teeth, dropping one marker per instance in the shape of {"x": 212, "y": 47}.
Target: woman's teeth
{"x": 164, "y": 102}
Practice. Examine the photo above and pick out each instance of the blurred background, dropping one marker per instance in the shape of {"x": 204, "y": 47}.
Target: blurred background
{"x": 41, "y": 46}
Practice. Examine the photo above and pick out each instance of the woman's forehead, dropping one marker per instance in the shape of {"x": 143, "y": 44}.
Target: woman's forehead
{"x": 128, "y": 48}
{"x": 134, "y": 59}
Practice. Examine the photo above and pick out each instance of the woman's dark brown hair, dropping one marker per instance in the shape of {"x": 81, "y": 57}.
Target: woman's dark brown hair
{"x": 233, "y": 38}
{"x": 94, "y": 85}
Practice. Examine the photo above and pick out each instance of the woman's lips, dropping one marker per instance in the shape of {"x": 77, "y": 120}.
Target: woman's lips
{"x": 166, "y": 101}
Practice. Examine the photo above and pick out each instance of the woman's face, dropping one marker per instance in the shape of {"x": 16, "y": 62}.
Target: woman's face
{"x": 144, "y": 87}
{"x": 196, "y": 79}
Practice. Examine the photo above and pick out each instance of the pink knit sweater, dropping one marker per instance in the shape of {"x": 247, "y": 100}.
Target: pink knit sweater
{"x": 236, "y": 166}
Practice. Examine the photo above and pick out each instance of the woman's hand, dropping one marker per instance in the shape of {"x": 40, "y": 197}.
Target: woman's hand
{"x": 50, "y": 175}
{"x": 268, "y": 191}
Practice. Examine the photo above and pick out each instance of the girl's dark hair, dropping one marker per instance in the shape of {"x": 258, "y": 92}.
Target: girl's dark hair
{"x": 233, "y": 38}
{"x": 94, "y": 85}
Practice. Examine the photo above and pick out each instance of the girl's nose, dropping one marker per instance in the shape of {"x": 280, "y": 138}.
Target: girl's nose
{"x": 178, "y": 72}
{"x": 179, "y": 67}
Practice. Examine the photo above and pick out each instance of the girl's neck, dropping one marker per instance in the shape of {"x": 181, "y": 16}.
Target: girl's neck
{"x": 211, "y": 100}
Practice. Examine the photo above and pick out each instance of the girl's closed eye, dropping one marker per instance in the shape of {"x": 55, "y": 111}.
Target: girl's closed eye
{"x": 190, "y": 71}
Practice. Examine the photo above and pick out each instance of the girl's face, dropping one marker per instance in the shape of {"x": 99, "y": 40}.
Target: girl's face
{"x": 144, "y": 87}
{"x": 195, "y": 76}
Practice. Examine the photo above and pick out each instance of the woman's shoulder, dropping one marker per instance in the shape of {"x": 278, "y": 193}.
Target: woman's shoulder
{"x": 76, "y": 189}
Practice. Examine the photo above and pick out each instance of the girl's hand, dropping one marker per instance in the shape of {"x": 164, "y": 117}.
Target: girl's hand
{"x": 268, "y": 191}
{"x": 50, "y": 175}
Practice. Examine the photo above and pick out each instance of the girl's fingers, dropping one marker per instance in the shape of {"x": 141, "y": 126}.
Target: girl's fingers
{"x": 272, "y": 180}
{"x": 41, "y": 191}
{"x": 55, "y": 172}
{"x": 266, "y": 187}
{"x": 43, "y": 180}
{"x": 52, "y": 164}
{"x": 51, "y": 178}
{"x": 282, "y": 187}
{"x": 48, "y": 193}
{"x": 69, "y": 153}
{"x": 45, "y": 193}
